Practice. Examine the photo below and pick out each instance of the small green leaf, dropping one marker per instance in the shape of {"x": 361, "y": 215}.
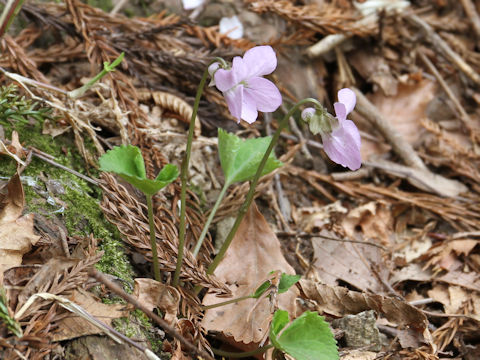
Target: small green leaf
{"x": 127, "y": 162}
{"x": 124, "y": 160}
{"x": 261, "y": 289}
{"x": 287, "y": 281}
{"x": 168, "y": 174}
{"x": 240, "y": 158}
{"x": 280, "y": 319}
{"x": 307, "y": 338}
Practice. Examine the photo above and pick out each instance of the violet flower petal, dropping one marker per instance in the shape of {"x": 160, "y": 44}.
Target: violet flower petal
{"x": 343, "y": 145}
{"x": 234, "y": 98}
{"x": 340, "y": 111}
{"x": 259, "y": 61}
{"x": 249, "y": 107}
{"x": 266, "y": 95}
{"x": 227, "y": 79}
{"x": 348, "y": 98}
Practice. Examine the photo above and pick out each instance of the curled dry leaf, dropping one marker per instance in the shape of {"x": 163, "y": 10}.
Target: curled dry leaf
{"x": 339, "y": 301}
{"x": 253, "y": 254}
{"x": 73, "y": 326}
{"x": 16, "y": 231}
{"x": 357, "y": 264}
{"x": 154, "y": 294}
{"x": 375, "y": 220}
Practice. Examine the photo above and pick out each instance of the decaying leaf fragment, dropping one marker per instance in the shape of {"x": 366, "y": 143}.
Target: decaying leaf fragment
{"x": 154, "y": 294}
{"x": 253, "y": 254}
{"x": 339, "y": 301}
{"x": 73, "y": 326}
{"x": 360, "y": 265}
{"x": 16, "y": 231}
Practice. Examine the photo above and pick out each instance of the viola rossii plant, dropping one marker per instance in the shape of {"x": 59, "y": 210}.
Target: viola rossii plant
{"x": 247, "y": 92}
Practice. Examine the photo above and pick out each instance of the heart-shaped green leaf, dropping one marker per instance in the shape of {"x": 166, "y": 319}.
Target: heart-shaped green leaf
{"x": 307, "y": 338}
{"x": 240, "y": 158}
{"x": 127, "y": 162}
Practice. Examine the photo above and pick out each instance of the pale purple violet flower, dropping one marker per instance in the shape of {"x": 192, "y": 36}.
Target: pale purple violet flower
{"x": 243, "y": 86}
{"x": 341, "y": 141}
{"x": 192, "y": 4}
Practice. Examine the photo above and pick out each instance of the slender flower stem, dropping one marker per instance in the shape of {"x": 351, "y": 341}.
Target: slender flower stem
{"x": 153, "y": 242}
{"x": 209, "y": 220}
{"x": 184, "y": 178}
{"x": 242, "y": 354}
{"x": 251, "y": 192}
{"x": 184, "y": 172}
{"x": 9, "y": 13}
{"x": 223, "y": 303}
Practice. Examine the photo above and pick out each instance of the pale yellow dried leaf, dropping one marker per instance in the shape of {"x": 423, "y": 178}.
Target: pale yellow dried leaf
{"x": 254, "y": 252}
{"x": 15, "y": 150}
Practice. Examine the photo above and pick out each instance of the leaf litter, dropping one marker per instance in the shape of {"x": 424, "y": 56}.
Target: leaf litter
{"x": 422, "y": 277}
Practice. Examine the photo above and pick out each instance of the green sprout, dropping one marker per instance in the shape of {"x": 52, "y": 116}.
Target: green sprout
{"x": 128, "y": 163}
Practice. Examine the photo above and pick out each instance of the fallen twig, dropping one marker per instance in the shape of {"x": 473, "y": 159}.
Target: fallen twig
{"x": 130, "y": 299}
{"x": 440, "y": 45}
{"x": 399, "y": 144}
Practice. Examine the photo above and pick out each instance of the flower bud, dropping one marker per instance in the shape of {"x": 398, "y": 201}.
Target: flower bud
{"x": 319, "y": 120}
{"x": 212, "y": 69}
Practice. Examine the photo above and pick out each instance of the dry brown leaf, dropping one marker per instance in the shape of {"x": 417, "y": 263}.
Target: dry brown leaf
{"x": 375, "y": 220}
{"x": 339, "y": 301}
{"x": 154, "y": 294}
{"x": 74, "y": 326}
{"x": 313, "y": 218}
{"x": 374, "y": 69}
{"x": 14, "y": 150}
{"x": 453, "y": 298}
{"x": 356, "y": 264}
{"x": 470, "y": 280}
{"x": 253, "y": 254}
{"x": 16, "y": 231}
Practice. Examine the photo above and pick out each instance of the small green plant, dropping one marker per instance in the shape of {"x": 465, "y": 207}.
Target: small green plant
{"x": 128, "y": 163}
{"x": 240, "y": 160}
{"x": 18, "y": 108}
{"x": 285, "y": 283}
{"x": 12, "y": 325}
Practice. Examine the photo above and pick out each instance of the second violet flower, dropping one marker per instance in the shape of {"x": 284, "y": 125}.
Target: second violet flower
{"x": 244, "y": 88}
{"x": 340, "y": 137}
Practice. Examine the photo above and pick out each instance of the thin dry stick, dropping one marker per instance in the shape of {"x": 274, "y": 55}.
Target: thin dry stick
{"x": 311, "y": 235}
{"x": 399, "y": 144}
{"x": 130, "y": 299}
{"x": 471, "y": 12}
{"x": 440, "y": 45}
{"x": 458, "y": 107}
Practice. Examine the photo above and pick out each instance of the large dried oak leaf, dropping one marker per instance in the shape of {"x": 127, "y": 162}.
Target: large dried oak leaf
{"x": 252, "y": 255}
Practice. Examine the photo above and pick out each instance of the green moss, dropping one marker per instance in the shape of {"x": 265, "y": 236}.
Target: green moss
{"x": 105, "y": 5}
{"x": 68, "y": 197}
{"x": 139, "y": 326}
